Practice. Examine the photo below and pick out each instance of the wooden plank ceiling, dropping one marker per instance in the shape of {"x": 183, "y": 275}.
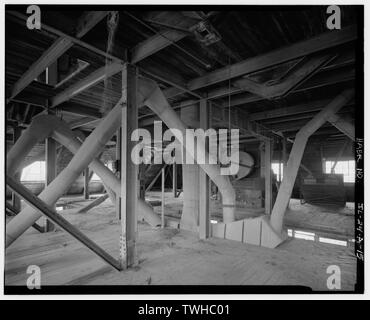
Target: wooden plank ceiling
{"x": 223, "y": 55}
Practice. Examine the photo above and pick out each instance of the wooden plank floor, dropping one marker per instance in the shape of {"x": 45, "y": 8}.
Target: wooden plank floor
{"x": 171, "y": 256}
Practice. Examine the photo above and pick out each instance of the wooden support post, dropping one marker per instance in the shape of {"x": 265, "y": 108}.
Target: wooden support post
{"x": 16, "y": 201}
{"x": 129, "y": 170}
{"x": 86, "y": 183}
{"x": 204, "y": 185}
{"x": 262, "y": 159}
{"x": 118, "y": 172}
{"x": 60, "y": 46}
{"x": 89, "y": 81}
{"x": 268, "y": 180}
{"x": 308, "y": 67}
{"x": 296, "y": 155}
{"x": 50, "y": 213}
{"x": 51, "y": 171}
{"x": 174, "y": 179}
{"x": 162, "y": 198}
{"x": 280, "y": 163}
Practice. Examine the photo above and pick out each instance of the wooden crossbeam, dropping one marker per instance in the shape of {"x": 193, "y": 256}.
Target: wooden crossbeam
{"x": 81, "y": 122}
{"x": 51, "y": 214}
{"x": 327, "y": 78}
{"x": 60, "y": 46}
{"x": 79, "y": 109}
{"x": 13, "y": 211}
{"x": 296, "y": 50}
{"x": 300, "y": 74}
{"x": 239, "y": 119}
{"x": 154, "y": 44}
{"x": 92, "y": 79}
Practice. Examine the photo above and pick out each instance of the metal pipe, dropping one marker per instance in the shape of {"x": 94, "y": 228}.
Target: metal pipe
{"x": 162, "y": 202}
{"x": 153, "y": 97}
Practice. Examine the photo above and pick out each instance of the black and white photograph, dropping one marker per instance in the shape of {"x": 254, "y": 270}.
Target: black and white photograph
{"x": 183, "y": 149}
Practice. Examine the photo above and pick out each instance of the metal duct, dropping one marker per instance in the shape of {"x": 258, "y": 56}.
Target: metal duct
{"x": 153, "y": 97}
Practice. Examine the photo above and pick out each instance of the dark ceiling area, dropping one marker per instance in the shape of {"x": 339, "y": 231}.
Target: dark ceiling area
{"x": 236, "y": 59}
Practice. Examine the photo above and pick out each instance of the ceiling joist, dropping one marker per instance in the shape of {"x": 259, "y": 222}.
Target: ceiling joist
{"x": 92, "y": 79}
{"x": 60, "y": 46}
{"x": 296, "y": 50}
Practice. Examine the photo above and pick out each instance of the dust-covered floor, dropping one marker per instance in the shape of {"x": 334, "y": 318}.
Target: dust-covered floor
{"x": 172, "y": 257}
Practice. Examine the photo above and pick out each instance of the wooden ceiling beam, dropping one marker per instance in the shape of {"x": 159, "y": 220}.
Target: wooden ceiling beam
{"x": 92, "y": 79}
{"x": 60, "y": 46}
{"x": 155, "y": 43}
{"x": 324, "y": 80}
{"x": 85, "y": 122}
{"x": 343, "y": 125}
{"x": 178, "y": 27}
{"x": 290, "y": 110}
{"x": 321, "y": 42}
{"x": 77, "y": 109}
{"x": 89, "y": 20}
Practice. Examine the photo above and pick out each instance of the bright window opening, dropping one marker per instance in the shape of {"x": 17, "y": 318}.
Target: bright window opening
{"x": 95, "y": 177}
{"x": 346, "y": 168}
{"x": 299, "y": 234}
{"x": 34, "y": 172}
{"x": 275, "y": 169}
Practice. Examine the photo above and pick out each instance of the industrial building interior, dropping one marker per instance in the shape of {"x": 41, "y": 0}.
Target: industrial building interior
{"x": 81, "y": 210}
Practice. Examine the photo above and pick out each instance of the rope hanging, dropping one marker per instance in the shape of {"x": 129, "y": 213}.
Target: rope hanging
{"x": 112, "y": 23}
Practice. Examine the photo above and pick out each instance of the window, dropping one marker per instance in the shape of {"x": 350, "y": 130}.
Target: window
{"x": 347, "y": 168}
{"x": 275, "y": 169}
{"x": 95, "y": 177}
{"x": 34, "y": 172}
